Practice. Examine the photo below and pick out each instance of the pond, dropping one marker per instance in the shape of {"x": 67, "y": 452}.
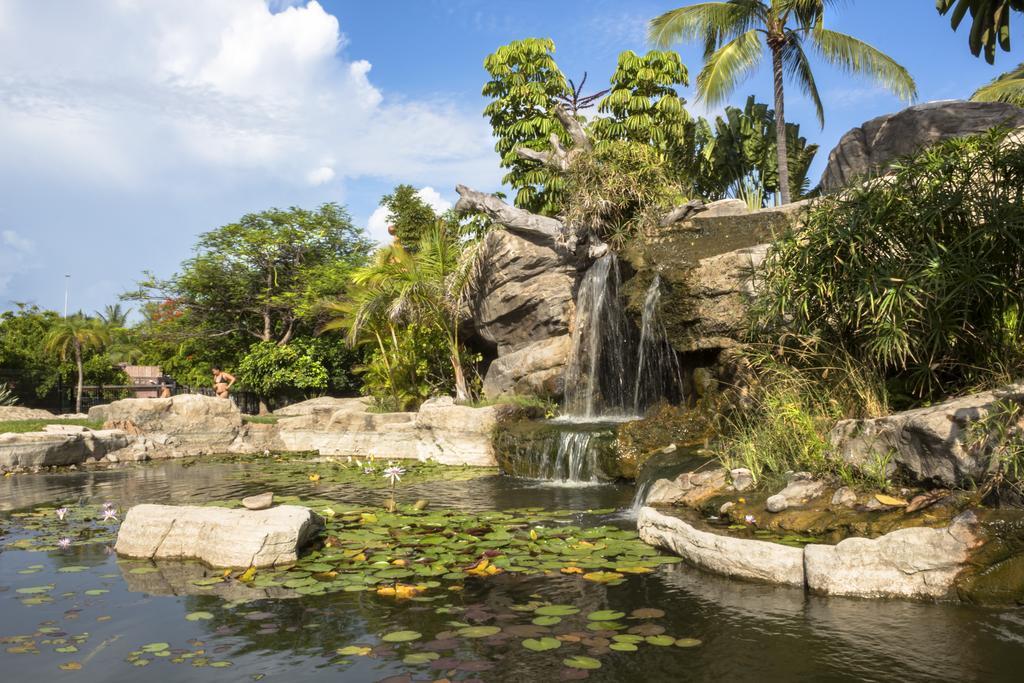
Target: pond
{"x": 81, "y": 615}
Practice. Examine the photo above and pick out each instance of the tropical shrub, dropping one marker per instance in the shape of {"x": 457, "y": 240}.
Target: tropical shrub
{"x": 274, "y": 371}
{"x": 919, "y": 276}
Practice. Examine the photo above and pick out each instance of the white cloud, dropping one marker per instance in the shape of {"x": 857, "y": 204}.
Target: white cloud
{"x": 15, "y": 256}
{"x": 320, "y": 175}
{"x": 377, "y": 224}
{"x": 140, "y": 94}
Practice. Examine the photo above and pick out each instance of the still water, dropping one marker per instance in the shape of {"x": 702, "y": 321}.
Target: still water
{"x": 748, "y": 632}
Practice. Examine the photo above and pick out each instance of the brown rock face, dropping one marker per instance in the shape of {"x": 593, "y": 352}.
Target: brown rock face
{"x": 872, "y": 147}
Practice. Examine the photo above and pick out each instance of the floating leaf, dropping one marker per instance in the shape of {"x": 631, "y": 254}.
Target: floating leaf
{"x": 661, "y": 641}
{"x": 688, "y": 642}
{"x": 71, "y": 666}
{"x": 156, "y": 647}
{"x": 603, "y": 577}
{"x": 354, "y": 651}
{"x": 479, "y": 631}
{"x": 92, "y": 592}
{"x": 35, "y": 590}
{"x": 547, "y": 621}
{"x": 199, "y": 616}
{"x": 557, "y": 610}
{"x": 889, "y": 500}
{"x": 401, "y": 636}
{"x": 647, "y": 613}
{"x": 605, "y": 615}
{"x": 542, "y": 644}
{"x": 581, "y": 662}
{"x": 623, "y": 647}
{"x": 421, "y": 657}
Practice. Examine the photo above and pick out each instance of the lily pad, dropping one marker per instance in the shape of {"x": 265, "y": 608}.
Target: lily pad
{"x": 689, "y": 642}
{"x": 605, "y": 615}
{"x": 479, "y": 631}
{"x": 623, "y": 647}
{"x": 581, "y": 662}
{"x": 354, "y": 651}
{"x": 660, "y": 641}
{"x": 401, "y": 636}
{"x": 198, "y": 616}
{"x": 547, "y": 621}
{"x": 557, "y": 610}
{"x": 542, "y": 644}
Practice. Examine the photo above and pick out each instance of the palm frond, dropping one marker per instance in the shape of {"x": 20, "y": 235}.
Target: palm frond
{"x": 712, "y": 22}
{"x": 795, "y": 58}
{"x": 1008, "y": 87}
{"x": 728, "y": 67}
{"x": 857, "y": 57}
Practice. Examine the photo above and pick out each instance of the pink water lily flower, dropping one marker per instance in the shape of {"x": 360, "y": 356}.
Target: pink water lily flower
{"x": 64, "y": 543}
{"x": 109, "y": 513}
{"x": 749, "y": 519}
{"x": 394, "y": 474}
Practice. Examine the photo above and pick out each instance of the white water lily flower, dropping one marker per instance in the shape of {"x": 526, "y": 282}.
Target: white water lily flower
{"x": 394, "y": 474}
{"x": 64, "y": 543}
{"x": 61, "y": 512}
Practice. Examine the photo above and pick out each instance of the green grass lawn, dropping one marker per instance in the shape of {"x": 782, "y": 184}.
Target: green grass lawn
{"x": 21, "y": 426}
{"x": 261, "y": 419}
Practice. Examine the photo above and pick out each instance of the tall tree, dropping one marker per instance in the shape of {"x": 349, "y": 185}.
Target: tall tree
{"x": 114, "y": 315}
{"x": 525, "y": 86}
{"x": 69, "y": 338}
{"x": 408, "y": 214}
{"x": 262, "y": 277}
{"x": 643, "y": 105}
{"x": 734, "y": 34}
{"x": 990, "y": 22}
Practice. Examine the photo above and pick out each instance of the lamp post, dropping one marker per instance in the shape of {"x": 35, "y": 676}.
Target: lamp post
{"x": 67, "y": 287}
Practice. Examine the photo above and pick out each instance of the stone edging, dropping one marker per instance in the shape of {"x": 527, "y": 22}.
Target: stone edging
{"x": 917, "y": 562}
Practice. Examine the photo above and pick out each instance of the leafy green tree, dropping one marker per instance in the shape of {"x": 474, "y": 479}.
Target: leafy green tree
{"x": 734, "y": 34}
{"x": 262, "y": 277}
{"x": 408, "y": 214}
{"x": 990, "y": 22}
{"x": 739, "y": 156}
{"x": 69, "y": 338}
{"x": 427, "y": 288}
{"x": 270, "y": 371}
{"x": 525, "y": 85}
{"x": 643, "y": 105}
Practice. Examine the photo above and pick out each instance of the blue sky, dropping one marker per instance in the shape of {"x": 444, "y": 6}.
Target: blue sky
{"x": 128, "y": 127}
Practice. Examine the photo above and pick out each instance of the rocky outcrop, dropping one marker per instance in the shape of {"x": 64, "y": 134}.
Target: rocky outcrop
{"x": 449, "y": 433}
{"x": 689, "y": 489}
{"x": 535, "y": 369}
{"x": 872, "y": 147}
{"x": 22, "y": 413}
{"x": 217, "y": 536}
{"x": 524, "y": 292}
{"x": 928, "y": 445}
{"x": 188, "y": 424}
{"x": 916, "y": 563}
{"x": 909, "y": 563}
{"x": 736, "y": 557}
{"x": 314, "y": 405}
{"x": 58, "y": 445}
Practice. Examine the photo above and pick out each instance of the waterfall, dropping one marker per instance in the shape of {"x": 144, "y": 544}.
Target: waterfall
{"x": 658, "y": 373}
{"x": 598, "y": 377}
{"x": 575, "y": 459}
{"x": 569, "y": 453}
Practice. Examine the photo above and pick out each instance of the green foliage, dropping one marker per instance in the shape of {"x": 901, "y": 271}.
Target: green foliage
{"x": 1008, "y": 87}
{"x": 7, "y": 395}
{"x": 990, "y": 22}
{"x": 739, "y": 157}
{"x": 919, "y": 275}
{"x": 794, "y": 401}
{"x": 273, "y": 371}
{"x": 620, "y": 189}
{"x": 262, "y": 276}
{"x": 69, "y": 338}
{"x": 525, "y": 85}
{"x": 735, "y": 32}
{"x": 399, "y": 289}
{"x": 643, "y": 105}
{"x": 408, "y": 214}
{"x": 998, "y": 434}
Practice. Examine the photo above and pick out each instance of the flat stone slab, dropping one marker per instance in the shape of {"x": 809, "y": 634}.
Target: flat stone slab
{"x": 736, "y": 557}
{"x": 910, "y": 563}
{"x": 217, "y": 536}
{"x": 51, "y": 448}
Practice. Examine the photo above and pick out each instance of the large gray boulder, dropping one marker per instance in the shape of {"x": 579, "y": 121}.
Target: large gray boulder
{"x": 59, "y": 446}
{"x": 217, "y": 536}
{"x": 736, "y": 557}
{"x": 928, "y": 445}
{"x": 321, "y": 403}
{"x": 442, "y": 430}
{"x": 910, "y": 563}
{"x": 535, "y": 369}
{"x": 524, "y": 292}
{"x": 189, "y": 424}
{"x": 872, "y": 147}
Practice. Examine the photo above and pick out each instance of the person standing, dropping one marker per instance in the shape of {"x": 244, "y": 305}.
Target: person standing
{"x": 222, "y": 382}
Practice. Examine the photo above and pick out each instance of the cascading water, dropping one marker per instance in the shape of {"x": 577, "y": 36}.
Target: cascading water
{"x": 658, "y": 373}
{"x": 613, "y": 374}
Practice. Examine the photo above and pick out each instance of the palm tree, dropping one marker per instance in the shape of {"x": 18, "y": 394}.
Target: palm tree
{"x": 69, "y": 338}
{"x": 114, "y": 316}
{"x": 428, "y": 286}
{"x": 734, "y": 33}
